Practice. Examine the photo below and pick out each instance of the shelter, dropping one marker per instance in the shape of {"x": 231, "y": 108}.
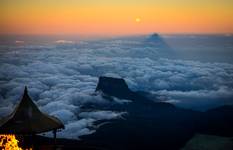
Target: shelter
{"x": 27, "y": 119}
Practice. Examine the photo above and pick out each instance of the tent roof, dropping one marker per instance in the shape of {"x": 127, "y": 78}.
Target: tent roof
{"x": 28, "y": 119}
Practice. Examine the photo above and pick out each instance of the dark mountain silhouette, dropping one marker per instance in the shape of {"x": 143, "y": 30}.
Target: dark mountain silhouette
{"x": 117, "y": 87}
{"x": 114, "y": 86}
{"x": 153, "y": 125}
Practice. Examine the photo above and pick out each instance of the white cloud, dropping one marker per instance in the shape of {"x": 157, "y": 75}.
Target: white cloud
{"x": 78, "y": 128}
{"x": 62, "y": 80}
{"x": 101, "y": 115}
{"x": 198, "y": 99}
{"x": 64, "y": 42}
{"x": 65, "y": 115}
{"x": 19, "y": 42}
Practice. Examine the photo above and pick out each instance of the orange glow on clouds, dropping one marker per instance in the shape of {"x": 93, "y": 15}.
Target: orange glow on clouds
{"x": 115, "y": 18}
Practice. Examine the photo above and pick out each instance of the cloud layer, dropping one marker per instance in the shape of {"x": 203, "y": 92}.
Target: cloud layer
{"x": 62, "y": 78}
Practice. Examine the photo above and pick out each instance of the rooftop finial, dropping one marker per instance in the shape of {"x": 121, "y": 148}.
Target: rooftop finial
{"x": 25, "y": 90}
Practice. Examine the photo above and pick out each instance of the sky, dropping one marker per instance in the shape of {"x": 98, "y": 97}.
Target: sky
{"x": 115, "y": 17}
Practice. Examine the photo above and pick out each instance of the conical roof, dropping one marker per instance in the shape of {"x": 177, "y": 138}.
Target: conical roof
{"x": 28, "y": 119}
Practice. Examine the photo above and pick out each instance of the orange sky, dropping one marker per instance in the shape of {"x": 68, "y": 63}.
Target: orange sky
{"x": 109, "y": 17}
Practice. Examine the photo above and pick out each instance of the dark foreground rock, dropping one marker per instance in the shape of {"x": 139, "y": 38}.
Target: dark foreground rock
{"x": 155, "y": 125}
{"x": 209, "y": 142}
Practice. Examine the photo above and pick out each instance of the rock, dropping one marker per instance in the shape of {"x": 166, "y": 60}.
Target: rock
{"x": 114, "y": 87}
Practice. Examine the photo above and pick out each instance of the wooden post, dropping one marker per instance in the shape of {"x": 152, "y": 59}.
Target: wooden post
{"x": 33, "y": 144}
{"x": 55, "y": 137}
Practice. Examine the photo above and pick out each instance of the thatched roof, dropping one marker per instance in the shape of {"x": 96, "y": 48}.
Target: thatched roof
{"x": 28, "y": 119}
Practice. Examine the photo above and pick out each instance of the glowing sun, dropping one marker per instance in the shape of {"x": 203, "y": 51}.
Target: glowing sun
{"x": 138, "y": 20}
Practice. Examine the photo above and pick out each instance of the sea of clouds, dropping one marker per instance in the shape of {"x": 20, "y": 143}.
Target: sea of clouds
{"x": 62, "y": 77}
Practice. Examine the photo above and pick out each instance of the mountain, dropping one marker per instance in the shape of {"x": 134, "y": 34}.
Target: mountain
{"x": 114, "y": 86}
{"x": 118, "y": 88}
{"x": 152, "y": 125}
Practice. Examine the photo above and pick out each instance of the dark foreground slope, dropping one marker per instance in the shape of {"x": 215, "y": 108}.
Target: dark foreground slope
{"x": 154, "y": 125}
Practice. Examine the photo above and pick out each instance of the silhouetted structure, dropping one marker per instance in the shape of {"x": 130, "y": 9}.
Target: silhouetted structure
{"x": 27, "y": 119}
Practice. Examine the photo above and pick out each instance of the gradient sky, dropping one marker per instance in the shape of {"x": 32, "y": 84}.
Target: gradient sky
{"x": 115, "y": 17}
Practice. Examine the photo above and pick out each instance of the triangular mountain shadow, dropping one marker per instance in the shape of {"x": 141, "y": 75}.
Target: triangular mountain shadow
{"x": 28, "y": 119}
{"x": 155, "y": 40}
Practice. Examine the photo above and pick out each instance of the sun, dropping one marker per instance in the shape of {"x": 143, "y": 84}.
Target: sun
{"x": 138, "y": 19}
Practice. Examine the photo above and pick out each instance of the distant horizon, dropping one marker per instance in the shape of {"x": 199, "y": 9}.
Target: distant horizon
{"x": 121, "y": 35}
{"x": 23, "y": 39}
